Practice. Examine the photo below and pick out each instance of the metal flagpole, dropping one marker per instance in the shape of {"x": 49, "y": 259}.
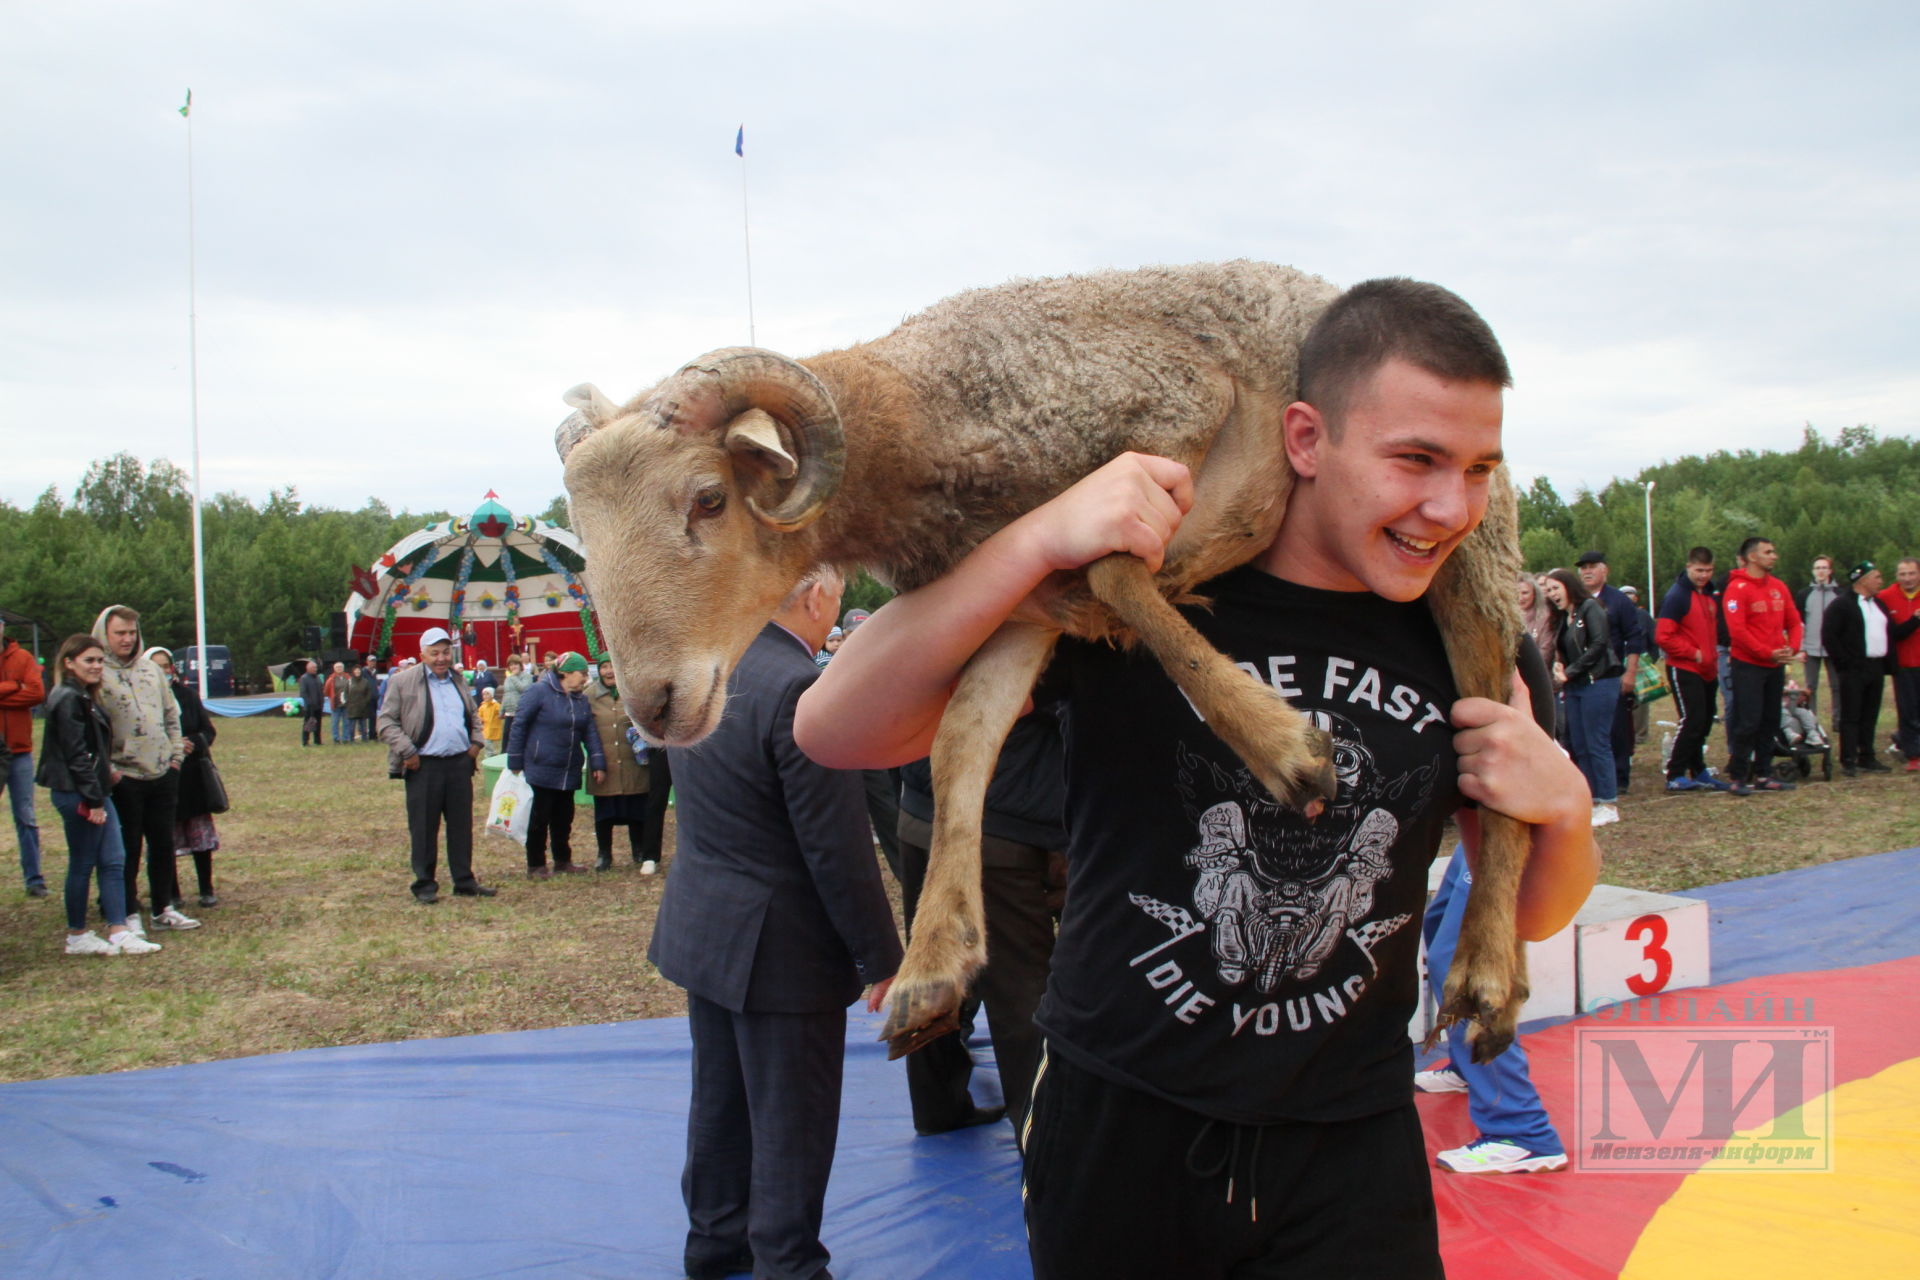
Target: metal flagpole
{"x": 193, "y": 376}
{"x": 1653, "y": 582}
{"x": 746, "y": 229}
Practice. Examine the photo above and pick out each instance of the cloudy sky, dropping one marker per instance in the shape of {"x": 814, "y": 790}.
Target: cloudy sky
{"x": 417, "y": 224}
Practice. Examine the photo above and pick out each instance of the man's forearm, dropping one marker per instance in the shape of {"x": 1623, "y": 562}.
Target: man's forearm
{"x": 878, "y": 703}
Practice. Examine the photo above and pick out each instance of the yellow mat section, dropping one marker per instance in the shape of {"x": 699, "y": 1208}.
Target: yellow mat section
{"x": 1863, "y": 1219}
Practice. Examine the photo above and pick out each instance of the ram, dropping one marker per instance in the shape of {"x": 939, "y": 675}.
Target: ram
{"x": 704, "y": 499}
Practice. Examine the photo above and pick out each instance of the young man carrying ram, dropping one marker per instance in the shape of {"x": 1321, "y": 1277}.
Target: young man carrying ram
{"x": 1226, "y": 1052}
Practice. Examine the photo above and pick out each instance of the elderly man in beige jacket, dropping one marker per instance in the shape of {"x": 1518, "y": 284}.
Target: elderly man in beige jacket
{"x": 432, "y": 732}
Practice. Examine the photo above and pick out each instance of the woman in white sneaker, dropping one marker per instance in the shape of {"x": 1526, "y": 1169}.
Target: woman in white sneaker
{"x": 74, "y": 767}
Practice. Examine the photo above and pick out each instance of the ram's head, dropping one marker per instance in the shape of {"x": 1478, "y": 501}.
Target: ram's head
{"x": 692, "y": 502}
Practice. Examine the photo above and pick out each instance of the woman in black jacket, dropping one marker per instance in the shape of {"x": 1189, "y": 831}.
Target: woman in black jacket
{"x": 75, "y": 750}
{"x": 193, "y": 829}
{"x": 1585, "y": 666}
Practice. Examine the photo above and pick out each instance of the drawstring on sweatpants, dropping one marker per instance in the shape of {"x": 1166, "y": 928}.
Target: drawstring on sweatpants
{"x": 1231, "y": 1162}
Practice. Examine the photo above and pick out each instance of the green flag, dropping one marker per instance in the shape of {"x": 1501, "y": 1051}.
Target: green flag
{"x": 186, "y": 108}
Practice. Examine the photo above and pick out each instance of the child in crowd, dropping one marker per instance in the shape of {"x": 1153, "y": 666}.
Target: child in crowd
{"x": 491, "y": 721}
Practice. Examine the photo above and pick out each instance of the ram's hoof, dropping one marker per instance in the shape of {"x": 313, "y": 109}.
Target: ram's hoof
{"x": 1308, "y": 784}
{"x": 919, "y": 1013}
{"x": 1491, "y": 1008}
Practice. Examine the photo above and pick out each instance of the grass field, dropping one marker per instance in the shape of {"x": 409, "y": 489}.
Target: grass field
{"x": 317, "y": 941}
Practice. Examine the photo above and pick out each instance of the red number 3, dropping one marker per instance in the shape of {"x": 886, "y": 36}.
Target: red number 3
{"x": 1655, "y": 927}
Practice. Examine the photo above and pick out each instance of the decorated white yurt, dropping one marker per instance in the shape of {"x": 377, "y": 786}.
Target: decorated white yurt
{"x": 498, "y": 582}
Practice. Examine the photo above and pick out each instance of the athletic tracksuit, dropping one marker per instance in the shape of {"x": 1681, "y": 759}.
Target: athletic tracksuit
{"x": 1761, "y": 618}
{"x": 1687, "y": 633}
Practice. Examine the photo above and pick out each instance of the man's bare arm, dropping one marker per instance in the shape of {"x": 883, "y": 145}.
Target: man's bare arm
{"x": 879, "y": 701}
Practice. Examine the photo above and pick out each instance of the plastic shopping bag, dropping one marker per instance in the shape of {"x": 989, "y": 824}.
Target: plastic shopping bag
{"x": 512, "y": 806}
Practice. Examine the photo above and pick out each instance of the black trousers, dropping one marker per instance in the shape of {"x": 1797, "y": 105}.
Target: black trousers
{"x": 550, "y": 817}
{"x": 883, "y": 811}
{"x": 146, "y": 808}
{"x": 1620, "y": 739}
{"x": 659, "y": 789}
{"x": 441, "y": 789}
{"x": 1861, "y": 687}
{"x": 1756, "y": 718}
{"x": 761, "y": 1128}
{"x": 1693, "y": 695}
{"x": 1017, "y": 884}
{"x": 1906, "y": 705}
{"x": 1126, "y": 1186}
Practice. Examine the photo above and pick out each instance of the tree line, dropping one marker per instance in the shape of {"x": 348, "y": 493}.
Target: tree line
{"x": 1854, "y": 497}
{"x": 124, "y": 536}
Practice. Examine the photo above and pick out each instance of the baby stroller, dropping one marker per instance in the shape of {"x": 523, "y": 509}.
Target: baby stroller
{"x": 1800, "y": 740}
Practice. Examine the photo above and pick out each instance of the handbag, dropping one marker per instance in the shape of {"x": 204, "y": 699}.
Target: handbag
{"x": 1648, "y": 684}
{"x": 213, "y": 788}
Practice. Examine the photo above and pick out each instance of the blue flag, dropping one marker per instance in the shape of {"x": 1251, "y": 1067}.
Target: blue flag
{"x": 740, "y": 143}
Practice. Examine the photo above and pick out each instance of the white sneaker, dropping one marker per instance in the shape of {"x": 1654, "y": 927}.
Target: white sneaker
{"x": 132, "y": 944}
{"x": 172, "y": 919}
{"x": 88, "y": 944}
{"x": 133, "y": 923}
{"x": 1605, "y": 815}
{"x": 1440, "y": 1080}
{"x": 1490, "y": 1155}
{"x": 649, "y": 867}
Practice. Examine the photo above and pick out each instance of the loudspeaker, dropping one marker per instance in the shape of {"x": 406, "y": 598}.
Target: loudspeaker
{"x": 311, "y": 638}
{"x": 338, "y": 635}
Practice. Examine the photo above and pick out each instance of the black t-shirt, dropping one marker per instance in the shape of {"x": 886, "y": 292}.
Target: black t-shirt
{"x": 1217, "y": 950}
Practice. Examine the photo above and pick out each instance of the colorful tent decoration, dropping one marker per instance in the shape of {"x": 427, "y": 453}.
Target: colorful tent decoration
{"x": 500, "y": 583}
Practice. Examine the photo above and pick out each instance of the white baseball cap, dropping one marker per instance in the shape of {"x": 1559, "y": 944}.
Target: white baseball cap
{"x": 434, "y": 635}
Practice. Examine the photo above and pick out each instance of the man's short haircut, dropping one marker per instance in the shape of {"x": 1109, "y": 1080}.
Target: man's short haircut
{"x": 820, "y": 575}
{"x": 1395, "y": 318}
{"x": 1746, "y": 548}
{"x": 1823, "y": 556}
{"x": 1700, "y": 555}
{"x": 124, "y": 613}
{"x": 1912, "y": 560}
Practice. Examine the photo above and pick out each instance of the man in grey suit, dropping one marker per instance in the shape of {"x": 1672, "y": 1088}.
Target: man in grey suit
{"x": 773, "y": 919}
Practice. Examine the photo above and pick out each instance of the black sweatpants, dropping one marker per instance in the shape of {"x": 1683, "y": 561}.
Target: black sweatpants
{"x": 1906, "y": 706}
{"x": 1620, "y": 740}
{"x": 1861, "y": 687}
{"x": 146, "y": 808}
{"x": 1123, "y": 1185}
{"x": 441, "y": 788}
{"x": 1756, "y": 719}
{"x": 1694, "y": 696}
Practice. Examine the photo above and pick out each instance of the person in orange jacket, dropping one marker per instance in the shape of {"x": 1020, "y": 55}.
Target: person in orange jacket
{"x": 21, "y": 690}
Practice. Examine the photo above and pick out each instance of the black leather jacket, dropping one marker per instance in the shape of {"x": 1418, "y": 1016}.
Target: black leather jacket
{"x": 75, "y": 747}
{"x": 1583, "y": 644}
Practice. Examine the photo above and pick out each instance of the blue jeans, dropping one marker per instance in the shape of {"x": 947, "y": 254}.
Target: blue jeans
{"x": 1589, "y": 731}
{"x": 25, "y": 825}
{"x": 93, "y": 849}
{"x": 1501, "y": 1098}
{"x": 342, "y": 728}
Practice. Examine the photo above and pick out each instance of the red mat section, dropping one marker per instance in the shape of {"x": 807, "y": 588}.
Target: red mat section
{"x": 1581, "y": 1225}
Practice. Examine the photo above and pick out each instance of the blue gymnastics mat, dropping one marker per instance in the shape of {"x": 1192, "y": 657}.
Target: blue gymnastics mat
{"x": 557, "y": 1153}
{"x": 538, "y": 1153}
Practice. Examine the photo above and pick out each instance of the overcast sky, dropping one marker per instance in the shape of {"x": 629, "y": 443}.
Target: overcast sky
{"x": 1693, "y": 225}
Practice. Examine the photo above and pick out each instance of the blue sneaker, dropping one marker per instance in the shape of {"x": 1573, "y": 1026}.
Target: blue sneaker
{"x": 1496, "y": 1155}
{"x": 1684, "y": 783}
{"x": 1713, "y": 780}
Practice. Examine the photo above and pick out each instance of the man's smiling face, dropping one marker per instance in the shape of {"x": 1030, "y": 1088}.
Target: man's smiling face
{"x": 1402, "y": 482}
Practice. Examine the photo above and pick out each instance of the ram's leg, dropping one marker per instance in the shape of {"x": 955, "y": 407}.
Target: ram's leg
{"x": 1473, "y": 602}
{"x": 1292, "y": 759}
{"x": 949, "y": 943}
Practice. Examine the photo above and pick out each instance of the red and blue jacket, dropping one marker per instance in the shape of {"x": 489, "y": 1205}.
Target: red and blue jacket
{"x": 1688, "y": 625}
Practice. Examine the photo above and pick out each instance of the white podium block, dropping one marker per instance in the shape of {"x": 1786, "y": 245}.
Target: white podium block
{"x": 1632, "y": 944}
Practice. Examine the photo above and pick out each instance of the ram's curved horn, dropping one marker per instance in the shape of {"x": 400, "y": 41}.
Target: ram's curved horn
{"x": 592, "y": 410}
{"x": 709, "y": 393}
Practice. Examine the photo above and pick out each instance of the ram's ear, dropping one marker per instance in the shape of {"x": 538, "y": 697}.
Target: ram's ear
{"x": 755, "y": 434}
